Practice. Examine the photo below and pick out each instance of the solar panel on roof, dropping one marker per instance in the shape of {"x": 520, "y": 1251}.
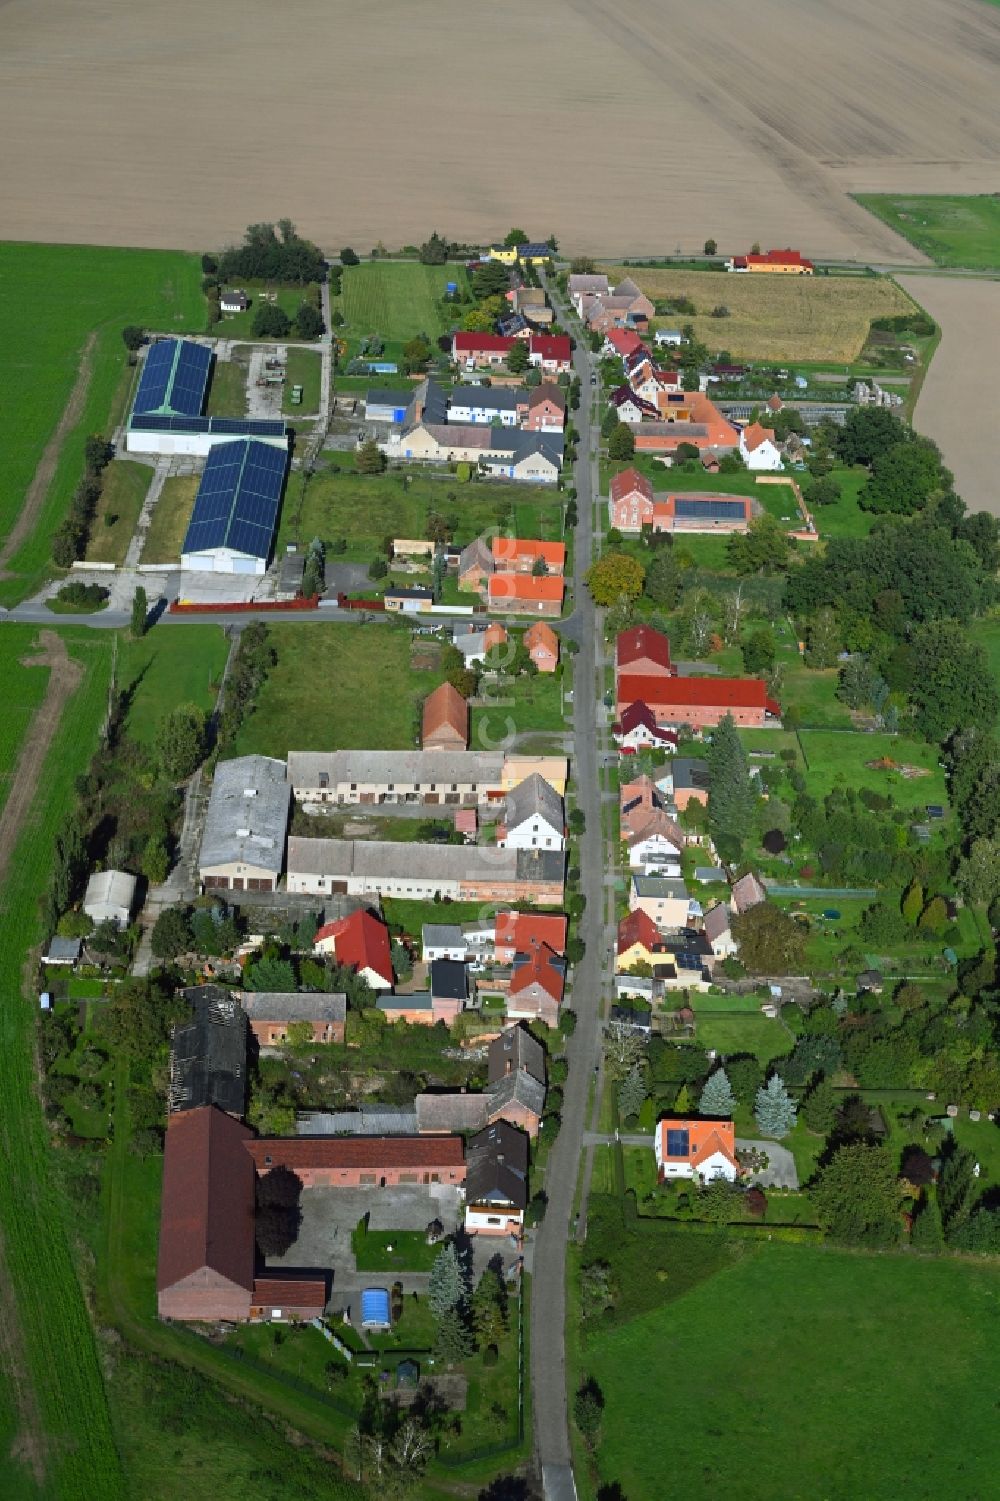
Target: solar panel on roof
{"x": 710, "y": 510}
{"x": 235, "y": 427}
{"x": 174, "y": 379}
{"x": 238, "y": 499}
{"x": 678, "y": 1142}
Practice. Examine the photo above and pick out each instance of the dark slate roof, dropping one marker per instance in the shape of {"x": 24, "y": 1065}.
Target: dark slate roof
{"x": 540, "y": 865}
{"x": 516, "y": 1089}
{"x": 208, "y": 1055}
{"x": 515, "y": 1049}
{"x": 497, "y": 1166}
{"x": 449, "y": 980}
{"x": 379, "y": 396}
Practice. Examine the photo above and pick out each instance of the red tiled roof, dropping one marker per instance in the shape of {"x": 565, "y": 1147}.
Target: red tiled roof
{"x": 356, "y": 1152}
{"x": 754, "y": 435}
{"x": 541, "y": 637}
{"x": 445, "y": 707}
{"x": 730, "y": 693}
{"x": 207, "y": 1205}
{"x": 637, "y": 927}
{"x": 511, "y": 550}
{"x": 704, "y": 1138}
{"x": 642, "y": 641}
{"x": 551, "y": 346}
{"x": 545, "y": 590}
{"x": 289, "y": 1292}
{"x": 629, "y": 480}
{"x": 535, "y": 967}
{"x": 521, "y": 931}
{"x": 624, "y": 341}
{"x": 361, "y": 941}
{"x": 774, "y": 258}
{"x": 466, "y": 343}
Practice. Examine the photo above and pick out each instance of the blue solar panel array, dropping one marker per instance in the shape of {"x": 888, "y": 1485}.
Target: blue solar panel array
{"x": 710, "y": 510}
{"x": 232, "y": 427}
{"x": 678, "y": 1142}
{"x": 174, "y": 378}
{"x": 238, "y": 499}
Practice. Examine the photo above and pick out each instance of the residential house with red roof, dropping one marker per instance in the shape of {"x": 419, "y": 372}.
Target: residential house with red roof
{"x": 630, "y": 502}
{"x": 699, "y": 702}
{"x": 636, "y": 729}
{"x": 758, "y": 448}
{"x": 361, "y": 942}
{"x": 537, "y": 983}
{"x": 623, "y": 342}
{"x": 704, "y": 1149}
{"x": 631, "y": 407}
{"x": 643, "y": 650}
{"x": 542, "y": 645}
{"x": 480, "y": 350}
{"x": 445, "y": 720}
{"x": 552, "y": 353}
{"x": 776, "y": 262}
{"x": 639, "y": 942}
{"x": 524, "y": 594}
{"x": 686, "y": 417}
{"x": 523, "y": 554}
{"x": 517, "y": 932}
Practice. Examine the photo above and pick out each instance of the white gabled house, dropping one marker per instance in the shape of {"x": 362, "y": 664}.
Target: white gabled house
{"x": 758, "y": 450}
{"x": 704, "y": 1149}
{"x": 533, "y": 817}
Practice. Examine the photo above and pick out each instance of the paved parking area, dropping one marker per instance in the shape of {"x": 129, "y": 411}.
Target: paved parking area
{"x": 780, "y": 1171}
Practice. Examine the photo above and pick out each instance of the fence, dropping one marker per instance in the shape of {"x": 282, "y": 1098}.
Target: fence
{"x": 242, "y": 606}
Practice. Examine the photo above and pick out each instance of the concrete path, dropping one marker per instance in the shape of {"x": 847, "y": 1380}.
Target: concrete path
{"x": 160, "y": 473}
{"x": 780, "y": 1172}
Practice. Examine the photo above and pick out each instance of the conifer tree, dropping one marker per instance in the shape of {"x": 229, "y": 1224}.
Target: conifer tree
{"x": 447, "y": 1287}
{"x": 717, "y": 1097}
{"x": 774, "y": 1108}
{"x": 732, "y": 801}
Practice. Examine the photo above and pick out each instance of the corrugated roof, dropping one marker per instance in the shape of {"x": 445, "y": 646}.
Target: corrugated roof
{"x": 247, "y": 815}
{"x": 401, "y": 769}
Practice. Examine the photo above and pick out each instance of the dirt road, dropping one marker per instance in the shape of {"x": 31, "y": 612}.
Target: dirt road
{"x": 63, "y": 678}
{"x": 957, "y": 403}
{"x": 34, "y": 496}
{"x": 648, "y": 124}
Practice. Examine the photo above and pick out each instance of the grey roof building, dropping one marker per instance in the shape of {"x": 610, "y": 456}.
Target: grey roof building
{"x": 522, "y": 445}
{"x": 534, "y": 797}
{"x": 392, "y": 776}
{"x": 451, "y": 1112}
{"x": 449, "y": 980}
{"x": 243, "y": 843}
{"x": 293, "y": 1006}
{"x": 110, "y": 897}
{"x": 369, "y": 1120}
{"x": 514, "y": 1092}
{"x": 208, "y": 1054}
{"x": 475, "y": 557}
{"x": 515, "y": 1049}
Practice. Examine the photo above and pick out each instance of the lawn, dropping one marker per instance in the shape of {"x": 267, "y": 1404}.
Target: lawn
{"x": 819, "y": 1373}
{"x": 757, "y": 1034}
{"x": 518, "y": 706}
{"x": 123, "y": 489}
{"x": 836, "y": 759}
{"x": 24, "y": 689}
{"x": 337, "y": 687}
{"x": 846, "y": 518}
{"x": 814, "y": 318}
{"x": 227, "y": 395}
{"x": 174, "y": 665}
{"x": 68, "y": 1420}
{"x": 365, "y": 509}
{"x": 953, "y": 230}
{"x": 304, "y": 368}
{"x": 170, "y": 518}
{"x": 100, "y": 290}
{"x": 240, "y": 325}
{"x": 391, "y": 1250}
{"x": 397, "y": 299}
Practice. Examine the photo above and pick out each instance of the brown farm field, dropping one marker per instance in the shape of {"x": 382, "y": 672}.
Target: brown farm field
{"x": 776, "y": 317}
{"x": 757, "y": 122}
{"x": 957, "y": 402}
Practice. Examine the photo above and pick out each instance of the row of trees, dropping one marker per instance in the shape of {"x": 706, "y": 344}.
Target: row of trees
{"x": 69, "y": 541}
{"x": 270, "y": 252}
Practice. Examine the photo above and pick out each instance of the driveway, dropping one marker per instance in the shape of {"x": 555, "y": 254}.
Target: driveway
{"x": 346, "y": 578}
{"x": 780, "y": 1172}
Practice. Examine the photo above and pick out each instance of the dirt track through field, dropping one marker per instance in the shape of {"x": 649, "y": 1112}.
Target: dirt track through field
{"x": 957, "y": 402}
{"x": 626, "y": 126}
{"x": 34, "y": 497}
{"x": 30, "y": 1443}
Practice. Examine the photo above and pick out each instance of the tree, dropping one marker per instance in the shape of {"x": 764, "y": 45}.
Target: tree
{"x": 623, "y": 1049}
{"x": 663, "y": 579}
{"x": 613, "y": 576}
{"x": 856, "y": 1196}
{"x": 762, "y": 548}
{"x": 371, "y": 459}
{"x": 771, "y": 942}
{"x": 180, "y": 741}
{"x": 934, "y": 917}
{"x": 710, "y": 247}
{"x": 454, "y": 1341}
{"x": 632, "y": 1092}
{"x": 904, "y": 478}
{"x": 732, "y": 800}
{"x": 490, "y": 280}
{"x": 155, "y": 861}
{"x": 774, "y": 1108}
{"x": 309, "y": 321}
{"x": 133, "y": 337}
{"x": 140, "y": 608}
{"x": 171, "y": 933}
{"x": 927, "y": 1232}
{"x": 819, "y": 1108}
{"x": 954, "y": 687}
{"x": 588, "y": 1409}
{"x": 824, "y": 491}
{"x": 867, "y": 433}
{"x": 416, "y": 353}
{"x": 758, "y": 650}
{"x": 978, "y": 873}
{"x": 621, "y": 444}
{"x": 515, "y": 237}
{"x": 823, "y": 639}
{"x": 270, "y": 321}
{"x": 577, "y": 821}
{"x": 348, "y": 257}
{"x": 434, "y": 251}
{"x": 271, "y": 974}
{"x": 489, "y": 1309}
{"x": 717, "y": 1097}
{"x": 448, "y": 1285}
{"x": 744, "y": 1073}
{"x": 518, "y": 360}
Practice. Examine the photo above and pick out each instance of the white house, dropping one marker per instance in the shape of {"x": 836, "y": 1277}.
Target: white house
{"x": 533, "y": 817}
{"x": 487, "y": 404}
{"x": 442, "y": 941}
{"x": 758, "y": 449}
{"x": 719, "y": 933}
{"x": 233, "y": 302}
{"x": 654, "y": 854}
{"x": 110, "y": 897}
{"x": 705, "y": 1149}
{"x": 671, "y": 337}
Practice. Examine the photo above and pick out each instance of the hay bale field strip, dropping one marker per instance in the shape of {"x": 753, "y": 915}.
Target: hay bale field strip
{"x": 812, "y": 318}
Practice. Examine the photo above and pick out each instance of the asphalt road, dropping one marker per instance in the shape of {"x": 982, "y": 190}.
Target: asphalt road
{"x": 548, "y": 1295}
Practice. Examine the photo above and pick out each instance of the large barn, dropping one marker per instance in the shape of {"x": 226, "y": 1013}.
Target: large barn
{"x": 167, "y": 412}
{"x": 235, "y": 512}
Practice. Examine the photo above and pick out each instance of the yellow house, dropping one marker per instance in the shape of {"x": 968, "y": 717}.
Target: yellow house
{"x": 639, "y": 942}
{"x": 551, "y": 769}
{"x": 505, "y": 253}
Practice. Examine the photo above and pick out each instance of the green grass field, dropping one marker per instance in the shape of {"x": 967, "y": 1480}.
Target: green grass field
{"x": 337, "y": 687}
{"x": 24, "y": 689}
{"x": 170, "y": 518}
{"x": 67, "y": 1421}
{"x": 953, "y": 230}
{"x": 365, "y": 508}
{"x": 987, "y": 633}
{"x": 227, "y": 394}
{"x": 174, "y": 665}
{"x": 396, "y": 299}
{"x": 240, "y": 325}
{"x": 392, "y": 1250}
{"x": 519, "y": 706}
{"x": 758, "y": 1034}
{"x": 846, "y": 518}
{"x": 799, "y": 1372}
{"x": 100, "y": 290}
{"x": 124, "y": 488}
{"x": 842, "y": 760}
{"x": 304, "y": 368}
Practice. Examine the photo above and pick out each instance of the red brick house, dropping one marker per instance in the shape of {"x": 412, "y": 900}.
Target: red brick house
{"x": 361, "y": 1161}
{"x": 542, "y": 646}
{"x": 362, "y": 942}
{"x": 477, "y": 350}
{"x": 445, "y": 720}
{"x": 699, "y": 702}
{"x": 552, "y": 353}
{"x": 520, "y": 554}
{"x": 641, "y": 650}
{"x": 271, "y": 1013}
{"x": 546, "y": 410}
{"x": 630, "y": 506}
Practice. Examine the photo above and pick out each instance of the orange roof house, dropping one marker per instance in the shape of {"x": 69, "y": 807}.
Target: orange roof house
{"x": 537, "y": 982}
{"x": 446, "y": 720}
{"x": 542, "y": 646}
{"x": 696, "y": 1148}
{"x": 362, "y": 942}
{"x": 783, "y": 262}
{"x": 524, "y": 594}
{"x": 639, "y": 941}
{"x": 517, "y": 932}
{"x": 520, "y": 554}
{"x": 699, "y": 702}
{"x": 644, "y": 651}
